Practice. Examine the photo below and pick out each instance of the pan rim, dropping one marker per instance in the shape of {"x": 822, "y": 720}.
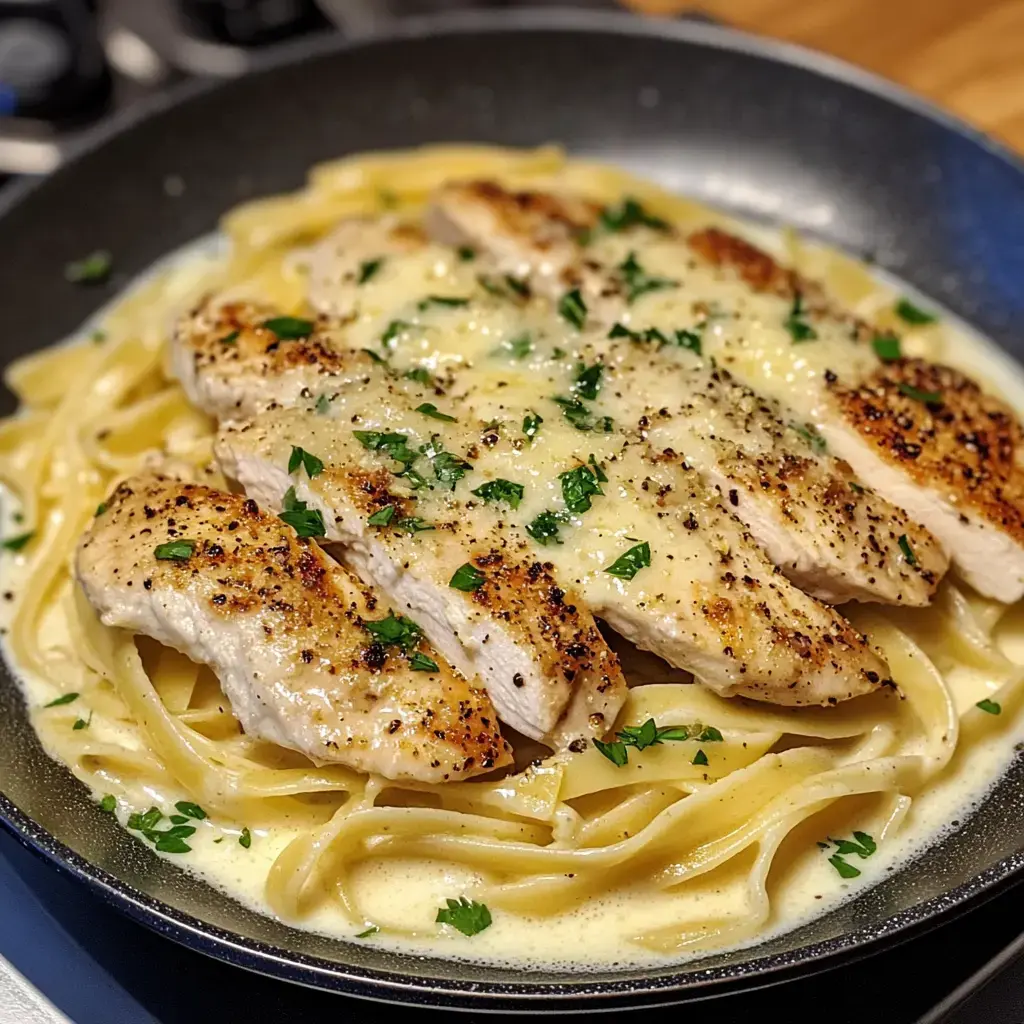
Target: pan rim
{"x": 590, "y": 993}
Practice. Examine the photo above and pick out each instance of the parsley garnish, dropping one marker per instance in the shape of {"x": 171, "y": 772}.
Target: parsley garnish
{"x": 908, "y": 551}
{"x": 544, "y": 529}
{"x": 230, "y": 339}
{"x": 57, "y": 702}
{"x": 501, "y": 491}
{"x": 700, "y": 758}
{"x": 651, "y": 734}
{"x": 531, "y": 424}
{"x": 300, "y": 457}
{"x": 578, "y": 486}
{"x": 887, "y": 347}
{"x": 518, "y": 347}
{"x": 588, "y": 380}
{"x": 289, "y": 328}
{"x": 395, "y": 630}
{"x": 911, "y": 314}
{"x": 449, "y": 301}
{"x": 845, "y": 870}
{"x": 306, "y": 522}
{"x": 989, "y": 706}
{"x": 928, "y": 397}
{"x": 465, "y": 254}
{"x": 420, "y": 375}
{"x": 395, "y": 446}
{"x": 92, "y": 269}
{"x": 383, "y": 516}
{"x": 374, "y": 356}
{"x": 175, "y": 550}
{"x": 682, "y": 338}
{"x": 448, "y": 468}
{"x": 431, "y": 410}
{"x": 108, "y": 803}
{"x": 628, "y": 214}
{"x": 368, "y": 269}
{"x": 190, "y": 810}
{"x": 810, "y": 435}
{"x": 798, "y": 327}
{"x": 862, "y": 845}
{"x": 571, "y": 307}
{"x": 101, "y": 508}
{"x": 245, "y": 839}
{"x": 373, "y": 929}
{"x": 413, "y": 524}
{"x": 393, "y": 330}
{"x": 18, "y": 542}
{"x": 627, "y": 565}
{"x": 468, "y": 916}
{"x": 638, "y": 281}
{"x": 421, "y": 663}
{"x": 468, "y": 578}
{"x": 81, "y": 723}
{"x": 171, "y": 840}
{"x": 581, "y": 417}
{"x": 323, "y": 405}
{"x": 518, "y": 285}
{"x": 601, "y": 475}
{"x": 615, "y": 751}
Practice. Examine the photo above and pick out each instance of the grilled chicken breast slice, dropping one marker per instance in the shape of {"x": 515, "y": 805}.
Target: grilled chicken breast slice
{"x": 285, "y": 630}
{"x": 827, "y": 532}
{"x": 926, "y": 436}
{"x": 708, "y": 602}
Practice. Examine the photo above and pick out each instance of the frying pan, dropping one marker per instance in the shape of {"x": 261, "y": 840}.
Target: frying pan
{"x": 763, "y": 129}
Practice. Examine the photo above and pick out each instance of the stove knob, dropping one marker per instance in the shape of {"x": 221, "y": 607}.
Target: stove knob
{"x": 250, "y": 22}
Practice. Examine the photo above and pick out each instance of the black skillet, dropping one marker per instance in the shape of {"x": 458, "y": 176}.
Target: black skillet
{"x": 761, "y": 128}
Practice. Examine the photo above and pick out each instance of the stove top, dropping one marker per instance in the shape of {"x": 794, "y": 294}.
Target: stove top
{"x": 64, "y": 66}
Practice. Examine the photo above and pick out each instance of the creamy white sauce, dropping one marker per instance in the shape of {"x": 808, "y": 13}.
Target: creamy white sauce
{"x": 404, "y": 894}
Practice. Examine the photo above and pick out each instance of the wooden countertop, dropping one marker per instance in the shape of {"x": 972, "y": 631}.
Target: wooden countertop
{"x": 965, "y": 55}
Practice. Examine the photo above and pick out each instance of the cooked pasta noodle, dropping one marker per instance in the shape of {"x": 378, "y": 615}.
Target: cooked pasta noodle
{"x": 708, "y": 852}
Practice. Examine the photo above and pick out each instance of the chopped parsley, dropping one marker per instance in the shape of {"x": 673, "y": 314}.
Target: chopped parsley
{"x": 395, "y": 446}
{"x": 394, "y": 631}
{"x": 581, "y": 417}
{"x": 18, "y": 542}
{"x": 373, "y": 929}
{"x": 383, "y": 516}
{"x": 420, "y": 375}
{"x": 108, "y": 803}
{"x": 887, "y": 347}
{"x": 682, "y": 338}
{"x": 171, "y": 840}
{"x": 908, "y": 551}
{"x": 578, "y": 486}
{"x": 810, "y": 435}
{"x": 468, "y": 916}
{"x": 518, "y": 286}
{"x": 989, "y": 706}
{"x": 862, "y": 845}
{"x": 627, "y": 214}
{"x": 306, "y": 522}
{"x": 368, "y": 269}
{"x": 572, "y": 308}
{"x": 431, "y": 410}
{"x": 798, "y": 327}
{"x": 468, "y": 578}
{"x": 700, "y": 758}
{"x": 650, "y": 734}
{"x": 289, "y": 328}
{"x": 230, "y": 339}
{"x": 627, "y": 565}
{"x": 101, "y": 508}
{"x": 175, "y": 550}
{"x": 449, "y": 469}
{"x": 374, "y": 356}
{"x": 497, "y": 491}
{"x": 845, "y": 870}
{"x": 82, "y": 723}
{"x": 465, "y": 253}
{"x": 92, "y": 269}
{"x": 588, "y": 380}
{"x": 928, "y": 397}
{"x": 66, "y": 698}
{"x": 301, "y": 458}
{"x": 447, "y": 301}
{"x": 544, "y": 529}
{"x": 245, "y": 839}
{"x": 638, "y": 282}
{"x": 602, "y": 476}
{"x": 323, "y": 405}
{"x": 190, "y": 810}
{"x": 518, "y": 347}
{"x": 393, "y": 330}
{"x": 412, "y": 524}
{"x": 531, "y": 424}
{"x": 421, "y": 663}
{"x": 911, "y": 314}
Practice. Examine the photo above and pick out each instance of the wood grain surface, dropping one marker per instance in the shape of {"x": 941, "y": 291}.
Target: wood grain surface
{"x": 965, "y": 55}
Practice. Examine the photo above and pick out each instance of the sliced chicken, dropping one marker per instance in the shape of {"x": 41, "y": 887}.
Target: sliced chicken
{"x": 925, "y": 436}
{"x": 294, "y": 638}
{"x": 382, "y": 445}
{"x": 827, "y": 532}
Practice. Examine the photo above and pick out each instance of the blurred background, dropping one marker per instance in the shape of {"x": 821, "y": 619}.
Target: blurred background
{"x": 66, "y": 64}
